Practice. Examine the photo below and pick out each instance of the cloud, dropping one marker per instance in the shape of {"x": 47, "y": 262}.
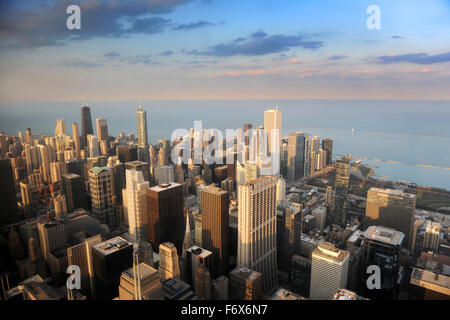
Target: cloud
{"x": 111, "y": 54}
{"x": 336, "y": 57}
{"x": 45, "y": 24}
{"x": 251, "y": 73}
{"x": 240, "y": 39}
{"x": 416, "y": 58}
{"x": 148, "y": 25}
{"x": 260, "y": 44}
{"x": 166, "y": 53}
{"x": 77, "y": 63}
{"x": 397, "y": 37}
{"x": 258, "y": 35}
{"x": 193, "y": 25}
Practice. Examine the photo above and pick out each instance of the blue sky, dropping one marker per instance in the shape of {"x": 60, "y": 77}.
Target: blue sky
{"x": 158, "y": 49}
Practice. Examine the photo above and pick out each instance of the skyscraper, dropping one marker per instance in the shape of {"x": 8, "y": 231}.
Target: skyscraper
{"x": 149, "y": 284}
{"x": 8, "y": 201}
{"x": 74, "y": 190}
{"x": 86, "y": 124}
{"x": 296, "y": 156}
{"x": 214, "y": 208}
{"x": 25, "y": 190}
{"x": 141, "y": 119}
{"x": 257, "y": 234}
{"x": 101, "y": 195}
{"x": 381, "y": 247}
{"x": 341, "y": 185}
{"x": 102, "y": 129}
{"x": 327, "y": 145}
{"x": 93, "y": 146}
{"x": 393, "y": 209}
{"x": 245, "y": 284}
{"x": 272, "y": 121}
{"x": 137, "y": 205}
{"x": 329, "y": 271}
{"x": 80, "y": 255}
{"x": 165, "y": 214}
{"x": 76, "y": 139}
{"x": 168, "y": 262}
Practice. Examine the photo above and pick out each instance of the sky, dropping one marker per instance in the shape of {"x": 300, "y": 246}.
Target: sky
{"x": 217, "y": 49}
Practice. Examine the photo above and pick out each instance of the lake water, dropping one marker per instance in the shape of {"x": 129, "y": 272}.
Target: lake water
{"x": 411, "y": 132}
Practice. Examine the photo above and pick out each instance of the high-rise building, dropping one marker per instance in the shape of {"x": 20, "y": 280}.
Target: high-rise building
{"x": 60, "y": 206}
{"x": 137, "y": 205}
{"x": 73, "y": 189}
{"x": 296, "y": 156}
{"x": 76, "y": 139}
{"x": 432, "y": 236}
{"x": 110, "y": 259}
{"x": 27, "y": 198}
{"x": 272, "y": 121}
{"x": 93, "y": 146}
{"x": 203, "y": 283}
{"x": 292, "y": 235}
{"x": 165, "y": 214}
{"x": 245, "y": 284}
{"x": 341, "y": 185}
{"x": 168, "y": 262}
{"x": 393, "y": 209}
{"x": 101, "y": 195}
{"x": 80, "y": 254}
{"x": 52, "y": 235}
{"x": 327, "y": 145}
{"x": 8, "y": 201}
{"x": 60, "y": 127}
{"x": 329, "y": 271}
{"x": 102, "y": 129}
{"x": 141, "y": 121}
{"x": 149, "y": 285}
{"x": 381, "y": 247}
{"x": 257, "y": 234}
{"x": 141, "y": 166}
{"x": 86, "y": 124}
{"x": 214, "y": 208}
{"x": 57, "y": 170}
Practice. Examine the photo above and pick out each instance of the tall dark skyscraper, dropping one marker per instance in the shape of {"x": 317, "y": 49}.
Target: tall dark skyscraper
{"x": 74, "y": 191}
{"x": 327, "y": 145}
{"x": 214, "y": 208}
{"x": 341, "y": 185}
{"x": 296, "y": 155}
{"x": 166, "y": 215}
{"x": 86, "y": 124}
{"x": 8, "y": 202}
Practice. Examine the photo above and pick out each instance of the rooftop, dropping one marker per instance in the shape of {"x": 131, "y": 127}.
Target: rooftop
{"x": 165, "y": 186}
{"x": 393, "y": 192}
{"x": 111, "y": 245}
{"x": 145, "y": 271}
{"x": 383, "y": 234}
{"x": 430, "y": 280}
{"x": 343, "y": 294}
{"x": 329, "y": 250}
{"x": 97, "y": 170}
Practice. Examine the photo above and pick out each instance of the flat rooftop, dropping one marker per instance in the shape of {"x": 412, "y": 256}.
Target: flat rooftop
{"x": 215, "y": 190}
{"x": 430, "y": 280}
{"x": 343, "y": 294}
{"x": 145, "y": 271}
{"x": 202, "y": 253}
{"x": 393, "y": 192}
{"x": 111, "y": 245}
{"x": 165, "y": 186}
{"x": 329, "y": 250}
{"x": 385, "y": 235}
